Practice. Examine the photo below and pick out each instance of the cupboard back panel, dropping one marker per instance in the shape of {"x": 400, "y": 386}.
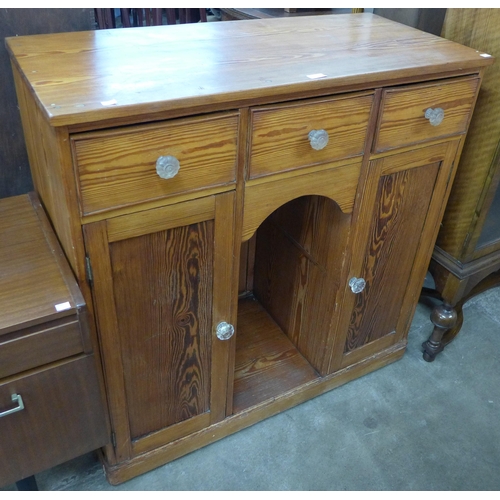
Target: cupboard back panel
{"x": 398, "y": 218}
{"x": 163, "y": 297}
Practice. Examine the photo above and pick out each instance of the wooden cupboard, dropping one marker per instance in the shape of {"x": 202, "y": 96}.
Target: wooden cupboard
{"x": 250, "y": 207}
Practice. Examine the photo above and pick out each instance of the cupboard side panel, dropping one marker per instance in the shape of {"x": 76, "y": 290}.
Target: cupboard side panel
{"x": 52, "y": 172}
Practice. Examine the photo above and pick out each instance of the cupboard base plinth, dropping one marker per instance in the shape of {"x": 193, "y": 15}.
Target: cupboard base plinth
{"x": 124, "y": 471}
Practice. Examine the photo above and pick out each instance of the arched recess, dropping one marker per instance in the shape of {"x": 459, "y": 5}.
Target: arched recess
{"x": 297, "y": 272}
{"x": 263, "y": 198}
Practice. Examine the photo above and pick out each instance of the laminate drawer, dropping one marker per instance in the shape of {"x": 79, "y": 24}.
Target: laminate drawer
{"x": 40, "y": 345}
{"x": 119, "y": 167}
{"x": 407, "y": 112}
{"x": 61, "y": 419}
{"x": 280, "y": 137}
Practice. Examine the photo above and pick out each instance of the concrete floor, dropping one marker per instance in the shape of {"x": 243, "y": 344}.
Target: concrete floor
{"x": 409, "y": 426}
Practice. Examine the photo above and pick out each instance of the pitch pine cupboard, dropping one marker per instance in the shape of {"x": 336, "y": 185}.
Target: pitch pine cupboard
{"x": 250, "y": 208}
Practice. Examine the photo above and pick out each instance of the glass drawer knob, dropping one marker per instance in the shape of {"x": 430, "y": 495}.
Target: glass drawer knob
{"x": 357, "y": 285}
{"x": 167, "y": 166}
{"x": 224, "y": 330}
{"x": 318, "y": 139}
{"x": 435, "y": 116}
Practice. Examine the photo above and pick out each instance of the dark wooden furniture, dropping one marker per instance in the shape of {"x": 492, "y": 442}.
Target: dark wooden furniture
{"x": 466, "y": 260}
{"x": 426, "y": 19}
{"x": 252, "y": 219}
{"x": 107, "y": 18}
{"x": 51, "y": 407}
{"x": 15, "y": 176}
{"x": 230, "y": 14}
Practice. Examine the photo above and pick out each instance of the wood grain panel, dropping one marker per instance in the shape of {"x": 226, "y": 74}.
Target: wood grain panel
{"x": 118, "y": 168}
{"x": 40, "y": 345}
{"x": 224, "y": 302}
{"x": 338, "y": 184}
{"x": 403, "y": 121}
{"x": 97, "y": 247}
{"x": 50, "y": 162}
{"x": 63, "y": 416}
{"x": 401, "y": 208}
{"x": 28, "y": 257}
{"x": 469, "y": 203}
{"x": 163, "y": 297}
{"x": 224, "y": 64}
{"x": 299, "y": 261}
{"x": 429, "y": 234}
{"x": 280, "y": 142}
{"x": 267, "y": 363}
{"x": 159, "y": 219}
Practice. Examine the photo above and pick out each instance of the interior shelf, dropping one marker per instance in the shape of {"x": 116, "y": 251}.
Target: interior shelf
{"x": 267, "y": 363}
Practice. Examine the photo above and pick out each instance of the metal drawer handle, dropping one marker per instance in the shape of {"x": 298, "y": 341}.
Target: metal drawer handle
{"x": 318, "y": 139}
{"x": 167, "y": 166}
{"x": 224, "y": 330}
{"x": 435, "y": 116}
{"x": 16, "y": 398}
{"x": 357, "y": 285}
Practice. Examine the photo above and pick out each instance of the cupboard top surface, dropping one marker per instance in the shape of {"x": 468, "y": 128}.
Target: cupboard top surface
{"x": 33, "y": 288}
{"x": 109, "y": 74}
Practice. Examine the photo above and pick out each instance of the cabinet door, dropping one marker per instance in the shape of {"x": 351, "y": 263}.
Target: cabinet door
{"x": 162, "y": 282}
{"x": 398, "y": 219}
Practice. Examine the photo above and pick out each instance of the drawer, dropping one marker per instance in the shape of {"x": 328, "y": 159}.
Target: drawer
{"x": 62, "y": 418}
{"x": 280, "y": 135}
{"x": 119, "y": 167}
{"x": 403, "y": 119}
{"x": 40, "y": 345}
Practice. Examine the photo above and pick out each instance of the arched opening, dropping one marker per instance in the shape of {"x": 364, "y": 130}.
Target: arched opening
{"x": 290, "y": 276}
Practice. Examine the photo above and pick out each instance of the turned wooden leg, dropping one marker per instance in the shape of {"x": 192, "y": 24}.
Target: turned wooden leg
{"x": 443, "y": 317}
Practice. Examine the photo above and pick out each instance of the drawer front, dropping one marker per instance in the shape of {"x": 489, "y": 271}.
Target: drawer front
{"x": 281, "y": 135}
{"x": 118, "y": 168}
{"x": 403, "y": 120}
{"x": 63, "y": 418}
{"x": 40, "y": 345}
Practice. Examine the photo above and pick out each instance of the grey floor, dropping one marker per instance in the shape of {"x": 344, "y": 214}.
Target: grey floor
{"x": 409, "y": 426}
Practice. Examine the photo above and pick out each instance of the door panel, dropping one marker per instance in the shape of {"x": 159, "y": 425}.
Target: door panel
{"x": 396, "y": 224}
{"x": 163, "y": 295}
{"x": 158, "y": 296}
{"x": 400, "y": 211}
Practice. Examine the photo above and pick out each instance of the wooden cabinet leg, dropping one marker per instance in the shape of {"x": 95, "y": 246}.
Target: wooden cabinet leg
{"x": 443, "y": 317}
{"x": 448, "y": 319}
